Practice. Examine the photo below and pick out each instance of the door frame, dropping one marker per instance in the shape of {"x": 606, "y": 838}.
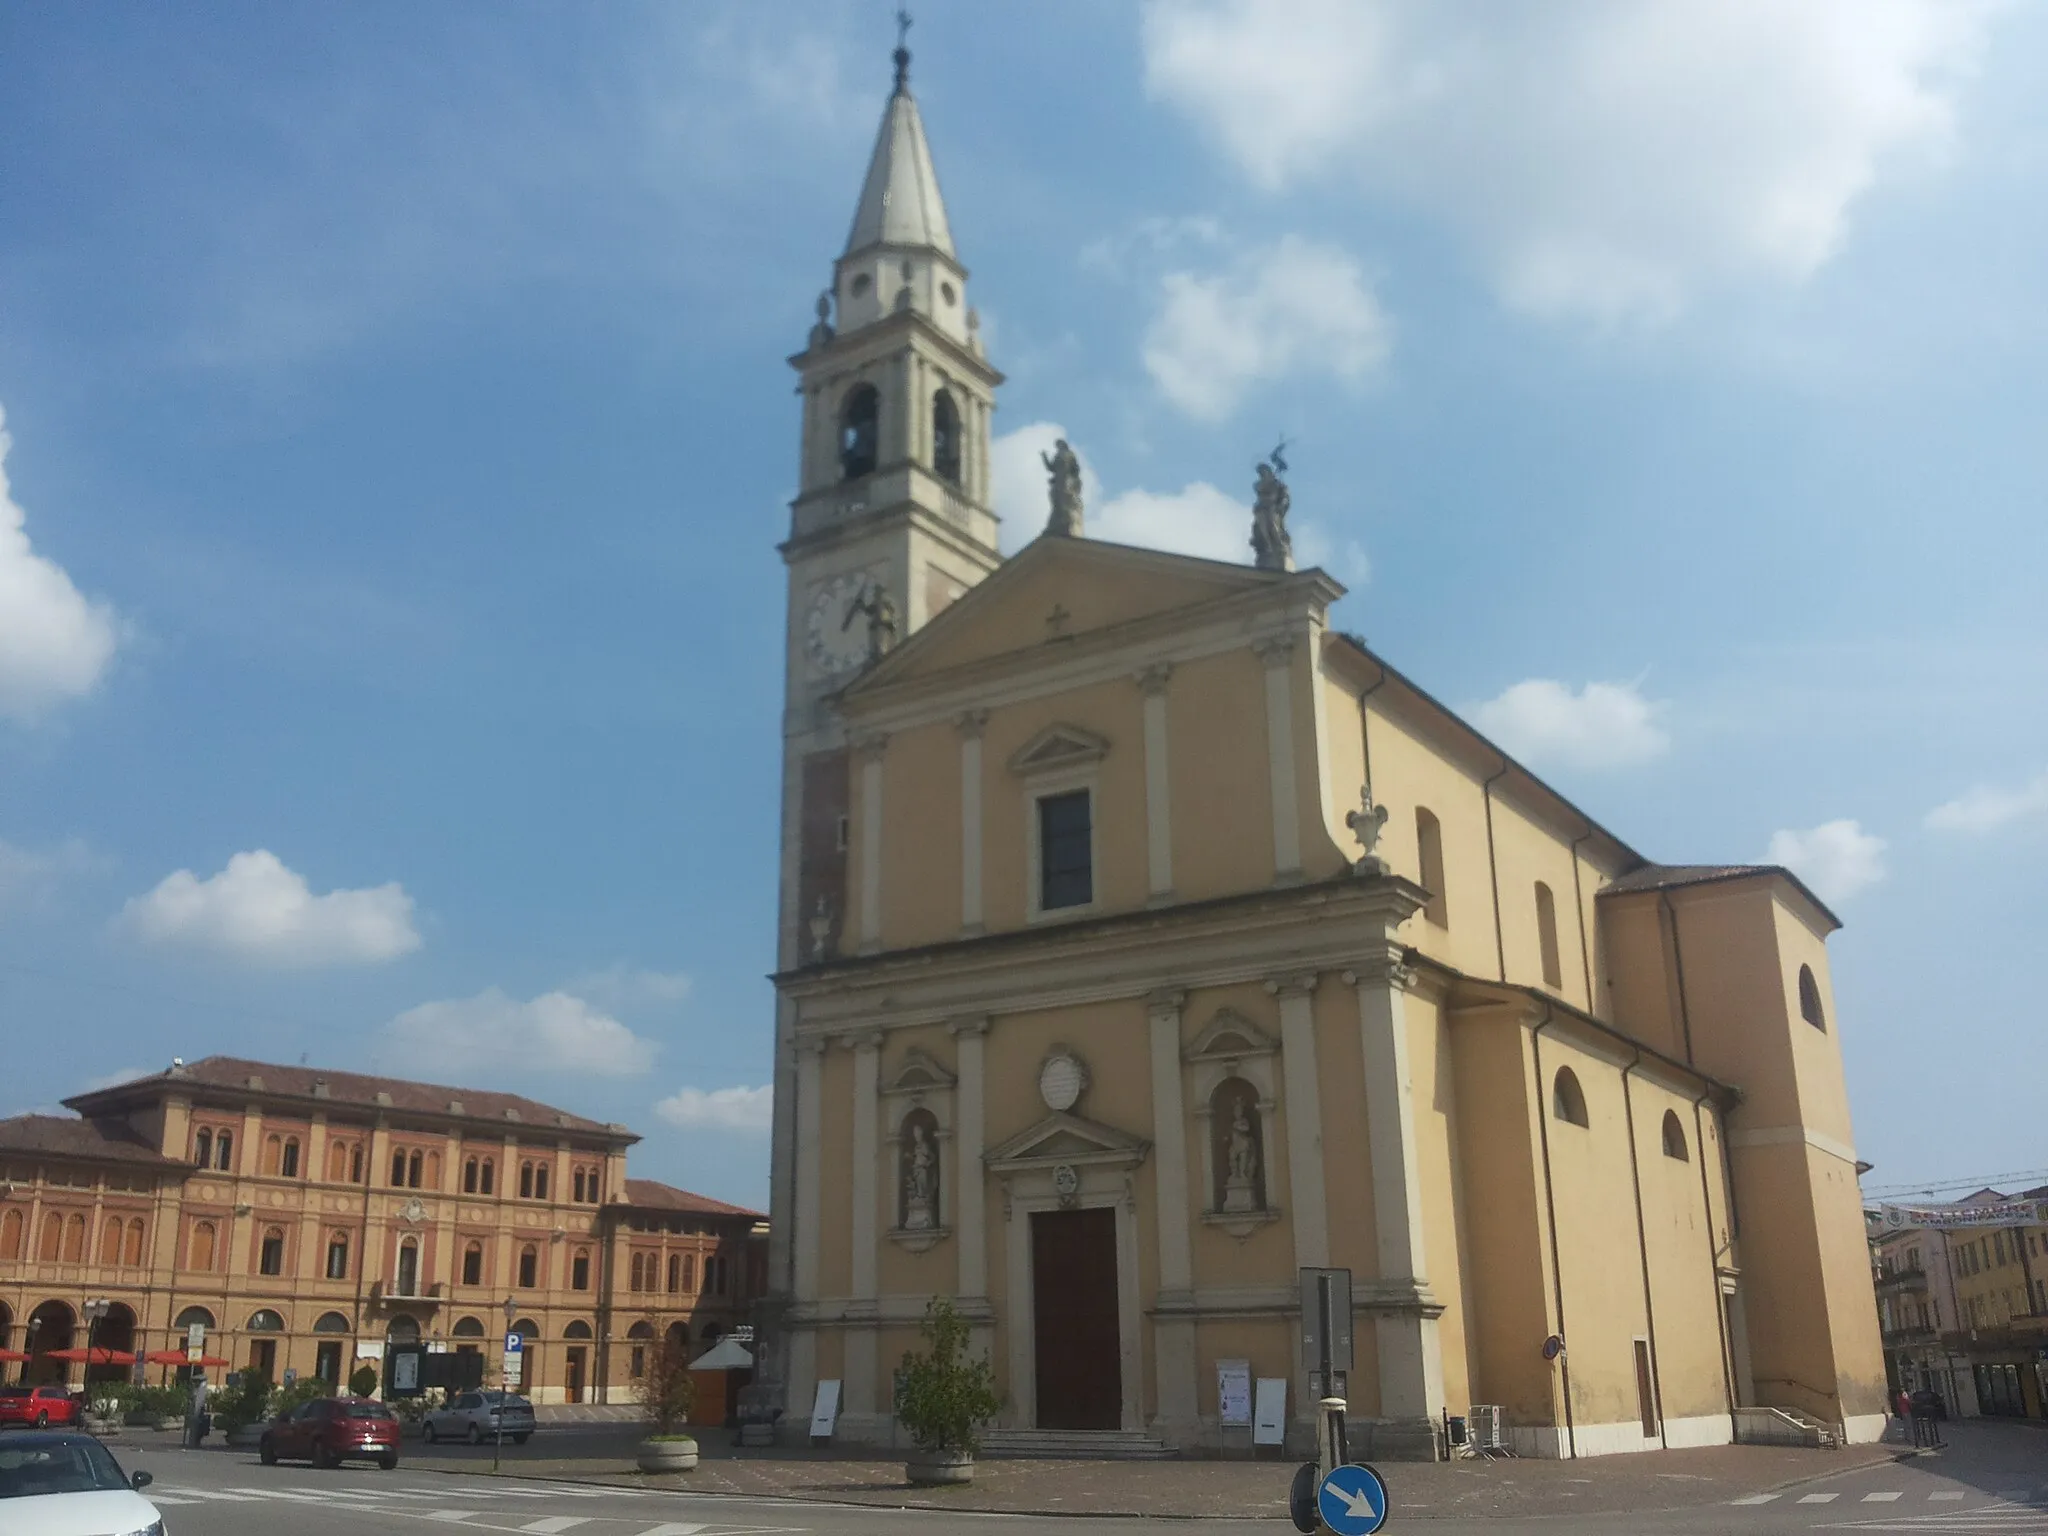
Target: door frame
{"x": 1019, "y": 1204}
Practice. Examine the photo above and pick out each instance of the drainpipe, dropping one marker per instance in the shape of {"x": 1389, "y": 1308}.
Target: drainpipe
{"x": 1364, "y": 722}
{"x": 1500, "y": 943}
{"x": 1635, "y": 1173}
{"x": 1699, "y": 1141}
{"x": 1678, "y": 965}
{"x": 1564, "y": 1362}
{"x": 1579, "y": 904}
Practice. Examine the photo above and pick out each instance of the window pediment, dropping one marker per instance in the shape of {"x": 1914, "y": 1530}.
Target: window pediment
{"x": 1229, "y": 1036}
{"x": 1065, "y": 1138}
{"x": 919, "y": 1074}
{"x": 1057, "y": 748}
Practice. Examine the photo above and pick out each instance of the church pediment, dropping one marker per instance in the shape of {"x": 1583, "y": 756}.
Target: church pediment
{"x": 1056, "y": 591}
{"x": 1064, "y": 1138}
{"x": 918, "y": 1074}
{"x": 1058, "y": 747}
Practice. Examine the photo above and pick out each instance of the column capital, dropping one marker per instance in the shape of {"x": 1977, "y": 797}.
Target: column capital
{"x": 813, "y": 1046}
{"x": 1165, "y": 1000}
{"x": 1274, "y": 650}
{"x": 1293, "y": 984}
{"x": 970, "y": 723}
{"x": 1387, "y": 969}
{"x": 1152, "y": 680}
{"x": 970, "y": 1027}
{"x": 865, "y": 1040}
{"x": 869, "y": 746}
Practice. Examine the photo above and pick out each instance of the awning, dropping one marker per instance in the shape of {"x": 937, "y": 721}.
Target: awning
{"x": 726, "y": 1355}
{"x": 178, "y": 1357}
{"x": 99, "y": 1354}
{"x": 12, "y": 1356}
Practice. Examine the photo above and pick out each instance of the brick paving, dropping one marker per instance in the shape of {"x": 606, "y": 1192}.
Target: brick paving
{"x": 1219, "y": 1489}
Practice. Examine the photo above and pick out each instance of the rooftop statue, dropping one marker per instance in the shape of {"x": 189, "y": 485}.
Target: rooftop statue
{"x": 1063, "y": 466}
{"x": 1272, "y": 549}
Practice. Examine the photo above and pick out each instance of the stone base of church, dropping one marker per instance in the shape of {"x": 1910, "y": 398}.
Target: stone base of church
{"x": 1393, "y": 1439}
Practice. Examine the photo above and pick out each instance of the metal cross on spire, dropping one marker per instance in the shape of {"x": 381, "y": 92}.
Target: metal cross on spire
{"x": 903, "y": 24}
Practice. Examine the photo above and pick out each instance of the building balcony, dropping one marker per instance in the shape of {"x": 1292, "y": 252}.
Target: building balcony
{"x": 1915, "y": 1334}
{"x": 1896, "y": 1281}
{"x": 390, "y": 1293}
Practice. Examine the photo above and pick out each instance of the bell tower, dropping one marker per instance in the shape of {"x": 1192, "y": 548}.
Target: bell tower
{"x": 891, "y": 523}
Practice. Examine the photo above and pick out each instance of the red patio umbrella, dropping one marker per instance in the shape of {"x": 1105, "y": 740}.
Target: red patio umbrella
{"x": 11, "y": 1356}
{"x": 99, "y": 1354}
{"x": 178, "y": 1357}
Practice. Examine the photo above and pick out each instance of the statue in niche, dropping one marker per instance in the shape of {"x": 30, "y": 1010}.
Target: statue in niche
{"x": 1272, "y": 548}
{"x": 1241, "y": 1162}
{"x": 880, "y": 609}
{"x": 1063, "y": 469}
{"x": 920, "y": 1181}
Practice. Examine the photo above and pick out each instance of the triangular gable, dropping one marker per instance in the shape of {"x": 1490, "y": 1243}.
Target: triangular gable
{"x": 1064, "y": 1138}
{"x": 1230, "y": 1036}
{"x": 919, "y": 1074}
{"x": 1057, "y": 747}
{"x": 1054, "y": 590}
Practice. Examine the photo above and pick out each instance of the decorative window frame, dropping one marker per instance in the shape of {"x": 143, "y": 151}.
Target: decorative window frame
{"x": 1057, "y": 761}
{"x": 1229, "y": 1046}
{"x": 920, "y": 1082}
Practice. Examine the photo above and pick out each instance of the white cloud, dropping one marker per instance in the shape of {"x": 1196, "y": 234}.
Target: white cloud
{"x": 54, "y": 643}
{"x": 555, "y": 1032}
{"x": 1198, "y": 519}
{"x": 731, "y": 1109}
{"x": 1604, "y": 159}
{"x": 259, "y": 910}
{"x": 1603, "y": 725}
{"x": 1836, "y": 858}
{"x": 1985, "y": 808}
{"x": 28, "y": 876}
{"x": 1287, "y": 308}
{"x": 623, "y": 985}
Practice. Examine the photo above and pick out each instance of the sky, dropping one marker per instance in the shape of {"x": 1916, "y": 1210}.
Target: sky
{"x": 398, "y": 432}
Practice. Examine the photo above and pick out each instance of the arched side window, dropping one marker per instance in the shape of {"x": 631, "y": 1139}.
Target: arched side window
{"x": 355, "y": 1164}
{"x": 526, "y": 1181}
{"x": 10, "y": 1235}
{"x": 689, "y": 1272}
{"x": 1238, "y": 1155}
{"x": 200, "y": 1252}
{"x": 131, "y": 1249}
{"x": 577, "y": 1185}
{"x": 1546, "y": 936}
{"x": 273, "y": 1154}
{"x": 1567, "y": 1099}
{"x": 675, "y": 1273}
{"x": 577, "y": 1330}
{"x": 860, "y": 426}
{"x": 636, "y": 1273}
{"x": 398, "y": 1169}
{"x": 110, "y": 1242}
{"x": 263, "y": 1320}
{"x": 529, "y": 1267}
{"x": 202, "y": 1148}
{"x": 224, "y": 1151}
{"x": 579, "y": 1270}
{"x": 945, "y": 437}
{"x": 74, "y": 1240}
{"x": 540, "y": 1181}
{"x": 1429, "y": 843}
{"x": 332, "y": 1322}
{"x": 291, "y": 1157}
{"x": 1809, "y": 999}
{"x": 473, "y": 1264}
{"x": 408, "y": 1281}
{"x": 337, "y": 1163}
{"x": 52, "y": 1249}
{"x": 270, "y": 1255}
{"x": 468, "y": 1328}
{"x": 412, "y": 1171}
{"x": 469, "y": 1177}
{"x": 1674, "y": 1137}
{"x": 191, "y": 1315}
{"x": 490, "y": 1175}
{"x": 337, "y": 1255}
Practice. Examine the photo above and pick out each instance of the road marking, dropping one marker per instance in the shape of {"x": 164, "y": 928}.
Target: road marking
{"x": 2016, "y": 1495}
{"x": 555, "y": 1523}
{"x": 673, "y": 1529}
{"x": 1953, "y": 1493}
{"x": 1757, "y": 1498}
{"x": 450, "y": 1515}
{"x": 1880, "y": 1498}
{"x": 1819, "y": 1498}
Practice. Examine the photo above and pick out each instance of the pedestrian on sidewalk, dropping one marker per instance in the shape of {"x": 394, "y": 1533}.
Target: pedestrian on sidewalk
{"x": 1902, "y": 1405}
{"x": 1927, "y": 1409}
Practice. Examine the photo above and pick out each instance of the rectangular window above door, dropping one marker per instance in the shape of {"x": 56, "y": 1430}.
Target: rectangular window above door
{"x": 1066, "y": 872}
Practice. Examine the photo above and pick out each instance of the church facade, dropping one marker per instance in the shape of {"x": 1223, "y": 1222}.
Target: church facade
{"x": 1144, "y": 941}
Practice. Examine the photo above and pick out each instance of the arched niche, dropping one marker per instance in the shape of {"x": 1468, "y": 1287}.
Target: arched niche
{"x": 1232, "y": 1064}
{"x": 918, "y": 1112}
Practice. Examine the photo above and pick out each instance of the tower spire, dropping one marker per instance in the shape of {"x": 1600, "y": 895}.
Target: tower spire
{"x": 902, "y": 54}
{"x": 899, "y": 200}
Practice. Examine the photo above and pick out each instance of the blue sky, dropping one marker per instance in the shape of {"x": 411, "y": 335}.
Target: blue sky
{"x": 399, "y": 434}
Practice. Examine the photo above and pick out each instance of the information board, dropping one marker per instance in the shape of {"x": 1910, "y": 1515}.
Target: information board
{"x": 1269, "y": 1423}
{"x": 825, "y": 1412}
{"x": 1234, "y": 1393}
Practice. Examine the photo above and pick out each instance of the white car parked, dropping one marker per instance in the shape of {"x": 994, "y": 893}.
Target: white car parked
{"x": 473, "y": 1416}
{"x": 67, "y": 1484}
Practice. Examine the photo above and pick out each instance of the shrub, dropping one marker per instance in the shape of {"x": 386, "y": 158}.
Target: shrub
{"x": 667, "y": 1389}
{"x": 362, "y": 1381}
{"x": 245, "y": 1403}
{"x": 943, "y": 1398}
{"x": 110, "y": 1399}
{"x": 165, "y": 1402}
{"x": 304, "y": 1390}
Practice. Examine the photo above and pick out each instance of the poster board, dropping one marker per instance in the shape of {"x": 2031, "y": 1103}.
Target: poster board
{"x": 825, "y": 1411}
{"x": 1234, "y": 1393}
{"x": 1269, "y": 1423}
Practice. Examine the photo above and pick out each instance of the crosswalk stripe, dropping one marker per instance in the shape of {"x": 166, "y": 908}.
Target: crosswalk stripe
{"x": 1756, "y": 1498}
{"x": 554, "y": 1523}
{"x": 1880, "y": 1498}
{"x": 1819, "y": 1498}
{"x": 170, "y": 1500}
{"x": 672, "y": 1529}
{"x": 1953, "y": 1493}
{"x": 450, "y": 1515}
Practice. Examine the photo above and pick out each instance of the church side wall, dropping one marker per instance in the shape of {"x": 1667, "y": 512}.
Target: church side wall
{"x": 1441, "y": 1180}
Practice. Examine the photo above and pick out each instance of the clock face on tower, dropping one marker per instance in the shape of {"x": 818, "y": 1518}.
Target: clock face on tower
{"x": 835, "y": 637}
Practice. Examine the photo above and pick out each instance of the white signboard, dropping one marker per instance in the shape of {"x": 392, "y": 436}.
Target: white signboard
{"x": 405, "y": 1372}
{"x": 195, "y": 1335}
{"x": 825, "y": 1412}
{"x": 1234, "y": 1393}
{"x": 514, "y": 1360}
{"x": 1269, "y": 1427}
{"x": 2008, "y": 1213}
{"x": 370, "y": 1349}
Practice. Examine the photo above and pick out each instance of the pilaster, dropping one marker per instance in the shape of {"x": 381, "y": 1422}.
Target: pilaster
{"x": 969, "y": 1188}
{"x": 1173, "y": 1335}
{"x": 1304, "y": 1112}
{"x": 1158, "y": 803}
{"x": 970, "y": 724}
{"x": 810, "y": 1078}
{"x": 1278, "y": 655}
{"x": 868, "y": 753}
{"x": 860, "y": 1403}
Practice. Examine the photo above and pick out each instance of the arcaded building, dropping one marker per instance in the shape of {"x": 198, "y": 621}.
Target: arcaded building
{"x": 309, "y": 1218}
{"x": 1144, "y": 940}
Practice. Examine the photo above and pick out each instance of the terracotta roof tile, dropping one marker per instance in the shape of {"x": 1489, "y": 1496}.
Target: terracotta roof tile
{"x": 62, "y": 1136}
{"x": 649, "y": 1194}
{"x": 355, "y": 1089}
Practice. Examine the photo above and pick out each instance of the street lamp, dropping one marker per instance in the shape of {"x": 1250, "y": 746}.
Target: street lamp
{"x": 504, "y": 1385}
{"x": 94, "y": 1310}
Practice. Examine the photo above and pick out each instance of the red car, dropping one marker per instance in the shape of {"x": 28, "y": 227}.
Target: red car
{"x": 40, "y": 1406}
{"x": 331, "y": 1430}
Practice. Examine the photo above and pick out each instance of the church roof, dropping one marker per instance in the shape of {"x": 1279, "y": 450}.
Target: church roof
{"x": 1669, "y": 877}
{"x": 899, "y": 201}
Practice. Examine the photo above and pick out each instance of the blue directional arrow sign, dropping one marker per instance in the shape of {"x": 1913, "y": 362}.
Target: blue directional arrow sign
{"x": 1352, "y": 1500}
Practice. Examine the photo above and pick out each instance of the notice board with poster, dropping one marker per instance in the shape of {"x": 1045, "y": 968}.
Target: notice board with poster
{"x": 1269, "y": 1422}
{"x": 1234, "y": 1393}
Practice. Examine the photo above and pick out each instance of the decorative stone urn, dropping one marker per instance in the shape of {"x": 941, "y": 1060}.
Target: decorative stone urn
{"x": 667, "y": 1453}
{"x": 939, "y": 1471}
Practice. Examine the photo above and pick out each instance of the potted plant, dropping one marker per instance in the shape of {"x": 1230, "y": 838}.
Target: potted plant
{"x": 106, "y": 1405}
{"x": 241, "y": 1410}
{"x": 666, "y": 1392}
{"x": 943, "y": 1398}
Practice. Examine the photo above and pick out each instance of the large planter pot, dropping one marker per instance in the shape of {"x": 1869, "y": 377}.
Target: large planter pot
{"x": 676, "y": 1455}
{"x": 247, "y": 1436}
{"x": 939, "y": 1471}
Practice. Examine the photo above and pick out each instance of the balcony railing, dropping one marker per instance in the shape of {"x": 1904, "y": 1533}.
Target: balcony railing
{"x": 1901, "y": 1280}
{"x": 388, "y": 1292}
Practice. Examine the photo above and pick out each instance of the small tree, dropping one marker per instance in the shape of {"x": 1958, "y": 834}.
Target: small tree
{"x": 942, "y": 1397}
{"x": 362, "y": 1381}
{"x": 244, "y": 1404}
{"x": 303, "y": 1390}
{"x": 667, "y": 1390}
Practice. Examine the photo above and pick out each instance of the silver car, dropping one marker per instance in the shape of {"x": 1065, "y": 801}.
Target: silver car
{"x": 474, "y": 1416}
